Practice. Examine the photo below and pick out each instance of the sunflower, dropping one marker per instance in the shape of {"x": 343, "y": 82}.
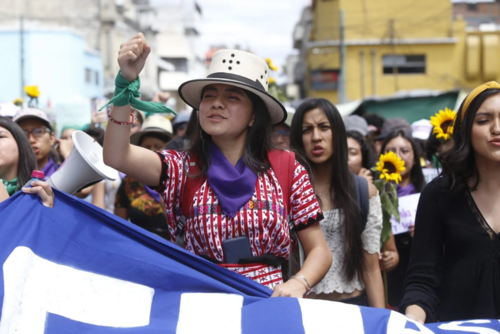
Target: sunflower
{"x": 18, "y": 102}
{"x": 443, "y": 124}
{"x": 390, "y": 167}
{"x": 270, "y": 64}
{"x": 32, "y": 91}
{"x": 271, "y": 80}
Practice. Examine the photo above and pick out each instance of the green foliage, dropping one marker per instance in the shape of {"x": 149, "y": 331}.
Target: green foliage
{"x": 389, "y": 199}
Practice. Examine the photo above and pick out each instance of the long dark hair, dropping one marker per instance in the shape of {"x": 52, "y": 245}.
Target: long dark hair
{"x": 459, "y": 162}
{"x": 367, "y": 154}
{"x": 342, "y": 184}
{"x": 416, "y": 174}
{"x": 257, "y": 145}
{"x": 27, "y": 159}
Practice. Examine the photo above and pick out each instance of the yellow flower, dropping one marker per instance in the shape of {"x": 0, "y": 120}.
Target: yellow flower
{"x": 271, "y": 80}
{"x": 32, "y": 91}
{"x": 270, "y": 64}
{"x": 18, "y": 102}
{"x": 390, "y": 167}
{"x": 443, "y": 124}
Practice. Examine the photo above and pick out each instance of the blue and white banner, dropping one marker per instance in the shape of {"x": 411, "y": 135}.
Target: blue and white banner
{"x": 78, "y": 269}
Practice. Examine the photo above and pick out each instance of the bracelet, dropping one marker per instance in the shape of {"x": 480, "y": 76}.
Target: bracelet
{"x": 308, "y": 287}
{"x": 121, "y": 123}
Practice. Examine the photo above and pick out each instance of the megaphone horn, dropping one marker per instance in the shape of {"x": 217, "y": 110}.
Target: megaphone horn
{"x": 83, "y": 166}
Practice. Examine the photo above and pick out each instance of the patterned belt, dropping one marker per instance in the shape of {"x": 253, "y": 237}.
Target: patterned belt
{"x": 266, "y": 275}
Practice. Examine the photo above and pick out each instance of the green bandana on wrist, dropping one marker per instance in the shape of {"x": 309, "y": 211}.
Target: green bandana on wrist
{"x": 128, "y": 92}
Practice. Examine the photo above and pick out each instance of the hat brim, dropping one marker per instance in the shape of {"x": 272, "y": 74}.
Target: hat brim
{"x": 136, "y": 137}
{"x": 25, "y": 117}
{"x": 190, "y": 92}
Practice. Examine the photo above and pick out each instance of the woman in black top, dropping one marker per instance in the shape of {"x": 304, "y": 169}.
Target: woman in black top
{"x": 454, "y": 270}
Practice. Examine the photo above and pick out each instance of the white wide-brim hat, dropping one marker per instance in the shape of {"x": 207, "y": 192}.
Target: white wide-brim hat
{"x": 239, "y": 69}
{"x": 154, "y": 124}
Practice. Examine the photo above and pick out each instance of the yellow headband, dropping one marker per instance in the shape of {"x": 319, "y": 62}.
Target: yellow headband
{"x": 472, "y": 95}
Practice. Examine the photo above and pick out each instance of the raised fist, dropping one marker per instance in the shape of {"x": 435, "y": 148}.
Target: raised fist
{"x": 132, "y": 57}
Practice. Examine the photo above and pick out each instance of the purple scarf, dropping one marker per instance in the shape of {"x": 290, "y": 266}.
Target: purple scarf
{"x": 233, "y": 185}
{"x": 49, "y": 169}
{"x": 405, "y": 191}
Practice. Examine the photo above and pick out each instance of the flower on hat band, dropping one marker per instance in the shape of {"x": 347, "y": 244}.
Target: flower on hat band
{"x": 443, "y": 124}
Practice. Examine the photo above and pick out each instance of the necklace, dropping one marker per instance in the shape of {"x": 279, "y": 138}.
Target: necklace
{"x": 322, "y": 191}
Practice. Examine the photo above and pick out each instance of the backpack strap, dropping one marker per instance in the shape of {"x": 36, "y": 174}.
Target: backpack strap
{"x": 283, "y": 165}
{"x": 190, "y": 188}
{"x": 363, "y": 199}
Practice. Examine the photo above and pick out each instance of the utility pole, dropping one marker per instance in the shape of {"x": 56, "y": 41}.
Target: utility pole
{"x": 342, "y": 87}
{"x": 21, "y": 53}
{"x": 392, "y": 37}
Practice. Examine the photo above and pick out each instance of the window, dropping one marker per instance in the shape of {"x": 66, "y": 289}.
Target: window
{"x": 180, "y": 64}
{"x": 96, "y": 78}
{"x": 88, "y": 75}
{"x": 472, "y": 7}
{"x": 401, "y": 64}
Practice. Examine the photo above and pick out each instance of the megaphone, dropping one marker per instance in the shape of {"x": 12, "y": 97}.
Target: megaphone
{"x": 84, "y": 166}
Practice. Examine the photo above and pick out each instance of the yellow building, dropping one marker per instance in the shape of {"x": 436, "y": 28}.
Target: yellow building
{"x": 395, "y": 45}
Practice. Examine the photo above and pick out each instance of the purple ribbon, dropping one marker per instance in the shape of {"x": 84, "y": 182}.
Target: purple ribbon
{"x": 152, "y": 193}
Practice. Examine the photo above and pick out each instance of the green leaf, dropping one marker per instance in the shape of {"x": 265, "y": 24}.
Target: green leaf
{"x": 386, "y": 231}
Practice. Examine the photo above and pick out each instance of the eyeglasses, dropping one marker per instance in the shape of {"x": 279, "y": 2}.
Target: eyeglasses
{"x": 37, "y": 132}
{"x": 284, "y": 133}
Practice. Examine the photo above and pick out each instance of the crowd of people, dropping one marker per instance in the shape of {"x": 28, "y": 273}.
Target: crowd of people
{"x": 288, "y": 199}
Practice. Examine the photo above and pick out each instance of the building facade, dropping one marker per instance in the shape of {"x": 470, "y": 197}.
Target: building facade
{"x": 477, "y": 12}
{"x": 387, "y": 46}
{"x": 103, "y": 24}
{"x": 56, "y": 60}
{"x": 180, "y": 53}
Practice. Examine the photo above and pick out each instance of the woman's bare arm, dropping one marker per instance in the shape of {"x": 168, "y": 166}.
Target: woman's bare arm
{"x": 318, "y": 261}
{"x": 137, "y": 162}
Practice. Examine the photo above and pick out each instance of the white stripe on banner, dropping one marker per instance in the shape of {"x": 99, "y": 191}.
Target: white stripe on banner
{"x": 455, "y": 326}
{"x": 35, "y": 286}
{"x": 397, "y": 325}
{"x": 208, "y": 313}
{"x": 321, "y": 316}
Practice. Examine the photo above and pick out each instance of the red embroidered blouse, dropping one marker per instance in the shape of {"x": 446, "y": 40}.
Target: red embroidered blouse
{"x": 262, "y": 219}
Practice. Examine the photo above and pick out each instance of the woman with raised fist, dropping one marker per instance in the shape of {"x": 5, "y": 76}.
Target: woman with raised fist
{"x": 234, "y": 192}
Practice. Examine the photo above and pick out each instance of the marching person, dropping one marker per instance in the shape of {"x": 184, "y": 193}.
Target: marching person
{"x": 281, "y": 133}
{"x": 454, "y": 270}
{"x": 413, "y": 181}
{"x": 224, "y": 186}
{"x": 360, "y": 161}
{"x": 17, "y": 159}
{"x": 354, "y": 277}
{"x": 38, "y": 130}
{"x": 134, "y": 200}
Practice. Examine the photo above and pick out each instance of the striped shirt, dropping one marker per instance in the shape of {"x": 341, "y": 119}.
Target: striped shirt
{"x": 262, "y": 219}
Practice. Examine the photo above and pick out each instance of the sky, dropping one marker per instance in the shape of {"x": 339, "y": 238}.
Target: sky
{"x": 265, "y": 27}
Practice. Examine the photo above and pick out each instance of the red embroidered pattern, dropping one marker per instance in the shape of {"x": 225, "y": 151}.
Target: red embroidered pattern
{"x": 267, "y": 229}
